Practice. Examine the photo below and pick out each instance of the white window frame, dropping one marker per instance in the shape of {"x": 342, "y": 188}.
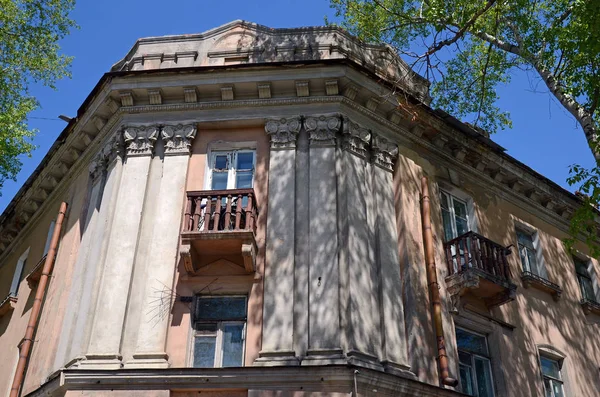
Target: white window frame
{"x": 218, "y": 360}
{"x": 488, "y": 358}
{"x": 551, "y": 353}
{"x": 461, "y": 196}
{"x": 16, "y": 281}
{"x": 591, "y": 271}
{"x": 541, "y": 270}
{"x": 49, "y": 236}
{"x": 232, "y": 149}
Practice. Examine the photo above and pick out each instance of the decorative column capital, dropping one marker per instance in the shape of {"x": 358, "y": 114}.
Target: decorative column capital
{"x": 112, "y": 150}
{"x": 283, "y": 132}
{"x": 322, "y": 130}
{"x": 139, "y": 141}
{"x": 356, "y": 139}
{"x": 178, "y": 138}
{"x": 385, "y": 152}
{"x": 97, "y": 167}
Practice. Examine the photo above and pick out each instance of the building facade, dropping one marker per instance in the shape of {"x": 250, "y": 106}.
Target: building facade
{"x": 248, "y": 214}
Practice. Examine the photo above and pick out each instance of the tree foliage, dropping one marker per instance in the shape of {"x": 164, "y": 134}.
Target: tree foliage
{"x": 29, "y": 53}
{"x": 467, "y": 48}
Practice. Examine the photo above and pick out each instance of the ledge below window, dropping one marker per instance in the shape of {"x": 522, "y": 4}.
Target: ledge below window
{"x": 8, "y": 305}
{"x": 590, "y": 307}
{"x": 533, "y": 280}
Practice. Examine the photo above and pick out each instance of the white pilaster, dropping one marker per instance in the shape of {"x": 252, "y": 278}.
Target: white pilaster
{"x": 361, "y": 321}
{"x": 278, "y": 319}
{"x": 104, "y": 351}
{"x": 105, "y": 172}
{"x": 394, "y": 355}
{"x": 324, "y": 346}
{"x": 162, "y": 260}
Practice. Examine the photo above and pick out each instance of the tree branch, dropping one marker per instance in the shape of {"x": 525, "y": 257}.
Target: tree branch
{"x": 461, "y": 32}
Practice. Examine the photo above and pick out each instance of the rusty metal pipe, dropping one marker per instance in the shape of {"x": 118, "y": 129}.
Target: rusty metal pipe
{"x": 434, "y": 292}
{"x": 34, "y": 317}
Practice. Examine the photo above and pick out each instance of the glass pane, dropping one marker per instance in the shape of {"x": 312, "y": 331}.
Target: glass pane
{"x": 460, "y": 209}
{"x": 461, "y": 226}
{"x": 547, "y": 388}
{"x": 471, "y": 342}
{"x": 244, "y": 161}
{"x": 484, "y": 377}
{"x": 558, "y": 388}
{"x": 221, "y": 308}
{"x": 466, "y": 379}
{"x": 219, "y": 180}
{"x": 532, "y": 261}
{"x": 243, "y": 180}
{"x": 444, "y": 201}
{"x": 220, "y": 162}
{"x": 587, "y": 290}
{"x": 206, "y": 328}
{"x": 233, "y": 345}
{"x": 523, "y": 254}
{"x": 447, "y": 219}
{"x": 550, "y": 367}
{"x": 464, "y": 358}
{"x": 204, "y": 351}
{"x": 525, "y": 238}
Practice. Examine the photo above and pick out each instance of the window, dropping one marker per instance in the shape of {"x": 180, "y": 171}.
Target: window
{"x": 551, "y": 373}
{"x": 49, "y": 237}
{"x": 219, "y": 332}
{"x": 454, "y": 216}
{"x": 231, "y": 169}
{"x": 474, "y": 364}
{"x": 528, "y": 252}
{"x": 584, "y": 279}
{"x": 14, "y": 286}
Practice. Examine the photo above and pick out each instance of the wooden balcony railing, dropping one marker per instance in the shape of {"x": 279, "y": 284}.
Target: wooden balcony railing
{"x": 209, "y": 211}
{"x": 473, "y": 251}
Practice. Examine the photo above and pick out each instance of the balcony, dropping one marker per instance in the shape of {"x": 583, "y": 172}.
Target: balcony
{"x": 590, "y": 307}
{"x": 219, "y": 231}
{"x": 478, "y": 266}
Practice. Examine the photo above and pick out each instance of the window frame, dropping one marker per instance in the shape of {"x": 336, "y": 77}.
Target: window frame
{"x": 49, "y": 236}
{"x": 541, "y": 268}
{"x": 588, "y": 276}
{"x": 487, "y": 358}
{"x": 18, "y": 274}
{"x": 451, "y": 208}
{"x": 231, "y": 150}
{"x": 549, "y": 353}
{"x": 220, "y": 324}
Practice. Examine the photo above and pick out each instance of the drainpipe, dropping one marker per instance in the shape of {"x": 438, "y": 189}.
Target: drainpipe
{"x": 34, "y": 317}
{"x": 434, "y": 292}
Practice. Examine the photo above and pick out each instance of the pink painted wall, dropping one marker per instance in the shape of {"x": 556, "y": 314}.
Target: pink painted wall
{"x": 225, "y": 282}
{"x": 539, "y": 320}
{"x": 13, "y": 325}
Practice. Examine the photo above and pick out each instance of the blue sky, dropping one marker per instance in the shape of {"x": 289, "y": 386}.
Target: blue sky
{"x": 544, "y": 136}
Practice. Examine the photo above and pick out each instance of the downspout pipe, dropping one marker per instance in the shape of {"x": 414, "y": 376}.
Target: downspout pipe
{"x": 434, "y": 289}
{"x": 25, "y": 350}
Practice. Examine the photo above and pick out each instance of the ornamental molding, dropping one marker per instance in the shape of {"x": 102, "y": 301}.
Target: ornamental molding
{"x": 322, "y": 130}
{"x": 283, "y": 132}
{"x": 355, "y": 138}
{"x": 384, "y": 151}
{"x": 139, "y": 141}
{"x": 178, "y": 138}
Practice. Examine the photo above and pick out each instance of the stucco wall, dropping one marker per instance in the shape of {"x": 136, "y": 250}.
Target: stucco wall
{"x": 13, "y": 325}
{"x": 537, "y": 318}
{"x": 224, "y": 281}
